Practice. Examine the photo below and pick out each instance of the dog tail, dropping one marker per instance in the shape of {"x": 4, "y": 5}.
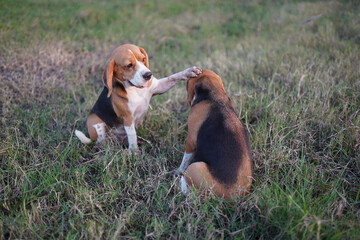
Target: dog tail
{"x": 82, "y": 137}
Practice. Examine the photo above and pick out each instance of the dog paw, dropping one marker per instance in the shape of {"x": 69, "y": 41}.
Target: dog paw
{"x": 192, "y": 72}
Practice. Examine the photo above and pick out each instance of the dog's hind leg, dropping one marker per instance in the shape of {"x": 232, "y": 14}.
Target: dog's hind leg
{"x": 100, "y": 131}
{"x": 96, "y": 128}
{"x": 199, "y": 176}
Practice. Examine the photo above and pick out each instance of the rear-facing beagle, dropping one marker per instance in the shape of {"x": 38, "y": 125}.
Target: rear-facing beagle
{"x": 125, "y": 99}
{"x": 217, "y": 152}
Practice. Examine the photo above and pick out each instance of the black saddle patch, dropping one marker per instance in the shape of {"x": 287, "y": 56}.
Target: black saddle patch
{"x": 219, "y": 147}
{"x": 105, "y": 110}
{"x": 217, "y": 143}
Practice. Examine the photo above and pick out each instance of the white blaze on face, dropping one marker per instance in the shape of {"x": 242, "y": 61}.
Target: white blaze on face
{"x": 138, "y": 79}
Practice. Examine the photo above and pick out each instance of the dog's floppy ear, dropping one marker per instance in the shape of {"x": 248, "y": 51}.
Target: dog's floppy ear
{"x": 146, "y": 57}
{"x": 190, "y": 88}
{"x": 108, "y": 75}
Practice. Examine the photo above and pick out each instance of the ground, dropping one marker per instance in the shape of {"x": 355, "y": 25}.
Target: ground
{"x": 291, "y": 69}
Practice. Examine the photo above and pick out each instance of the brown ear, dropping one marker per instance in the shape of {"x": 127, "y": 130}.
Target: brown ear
{"x": 190, "y": 88}
{"x": 146, "y": 57}
{"x": 108, "y": 75}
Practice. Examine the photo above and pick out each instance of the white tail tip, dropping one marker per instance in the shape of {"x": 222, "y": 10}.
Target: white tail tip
{"x": 82, "y": 137}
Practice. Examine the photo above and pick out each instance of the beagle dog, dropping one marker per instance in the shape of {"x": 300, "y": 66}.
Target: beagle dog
{"x": 217, "y": 154}
{"x": 125, "y": 99}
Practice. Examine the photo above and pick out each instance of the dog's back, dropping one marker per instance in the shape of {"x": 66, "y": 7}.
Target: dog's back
{"x": 222, "y": 143}
{"x": 222, "y": 153}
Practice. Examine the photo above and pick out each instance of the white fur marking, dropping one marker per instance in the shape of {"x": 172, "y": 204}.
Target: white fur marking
{"x": 139, "y": 100}
{"x": 138, "y": 79}
{"x": 100, "y": 130}
{"x": 132, "y": 138}
{"x": 186, "y": 161}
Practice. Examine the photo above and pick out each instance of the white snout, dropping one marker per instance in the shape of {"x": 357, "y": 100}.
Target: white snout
{"x": 138, "y": 79}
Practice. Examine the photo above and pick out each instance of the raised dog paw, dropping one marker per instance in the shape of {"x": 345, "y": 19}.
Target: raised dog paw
{"x": 192, "y": 72}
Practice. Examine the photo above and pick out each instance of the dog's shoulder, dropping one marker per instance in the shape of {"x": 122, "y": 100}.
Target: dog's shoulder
{"x": 222, "y": 140}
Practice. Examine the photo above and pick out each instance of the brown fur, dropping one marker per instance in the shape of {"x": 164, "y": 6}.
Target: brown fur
{"x": 198, "y": 174}
{"x": 196, "y": 117}
{"x": 117, "y": 64}
{"x": 125, "y": 99}
{"x": 93, "y": 119}
{"x": 117, "y": 71}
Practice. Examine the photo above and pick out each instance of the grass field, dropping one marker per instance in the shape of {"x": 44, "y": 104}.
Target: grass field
{"x": 294, "y": 83}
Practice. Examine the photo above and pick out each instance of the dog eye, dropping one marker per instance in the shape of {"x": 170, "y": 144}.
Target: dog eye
{"x": 144, "y": 60}
{"x": 130, "y": 65}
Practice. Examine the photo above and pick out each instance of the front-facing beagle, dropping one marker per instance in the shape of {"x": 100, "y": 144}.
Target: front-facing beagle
{"x": 217, "y": 152}
{"x": 125, "y": 99}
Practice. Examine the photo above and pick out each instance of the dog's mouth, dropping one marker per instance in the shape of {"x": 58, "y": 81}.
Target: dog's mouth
{"x": 135, "y": 85}
{"x": 146, "y": 84}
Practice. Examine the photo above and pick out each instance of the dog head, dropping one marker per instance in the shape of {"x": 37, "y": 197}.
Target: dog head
{"x": 127, "y": 63}
{"x": 206, "y": 80}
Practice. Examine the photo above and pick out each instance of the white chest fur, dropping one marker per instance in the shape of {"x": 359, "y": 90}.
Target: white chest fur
{"x": 138, "y": 103}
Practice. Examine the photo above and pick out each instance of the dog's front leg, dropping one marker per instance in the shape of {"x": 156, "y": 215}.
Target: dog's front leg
{"x": 164, "y": 84}
{"x": 189, "y": 154}
{"x": 187, "y": 158}
{"x": 131, "y": 134}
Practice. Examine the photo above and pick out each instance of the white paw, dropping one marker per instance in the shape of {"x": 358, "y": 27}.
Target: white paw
{"x": 183, "y": 185}
{"x": 192, "y": 72}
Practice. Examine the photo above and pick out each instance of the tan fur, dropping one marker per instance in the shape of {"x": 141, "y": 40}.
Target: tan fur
{"x": 196, "y": 117}
{"x": 212, "y": 80}
{"x": 130, "y": 85}
{"x": 117, "y": 70}
{"x": 198, "y": 173}
{"x": 117, "y": 64}
{"x": 91, "y": 121}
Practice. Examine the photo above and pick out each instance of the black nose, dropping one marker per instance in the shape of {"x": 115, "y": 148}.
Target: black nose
{"x": 147, "y": 76}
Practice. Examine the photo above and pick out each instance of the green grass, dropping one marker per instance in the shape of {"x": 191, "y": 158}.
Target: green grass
{"x": 295, "y": 85}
